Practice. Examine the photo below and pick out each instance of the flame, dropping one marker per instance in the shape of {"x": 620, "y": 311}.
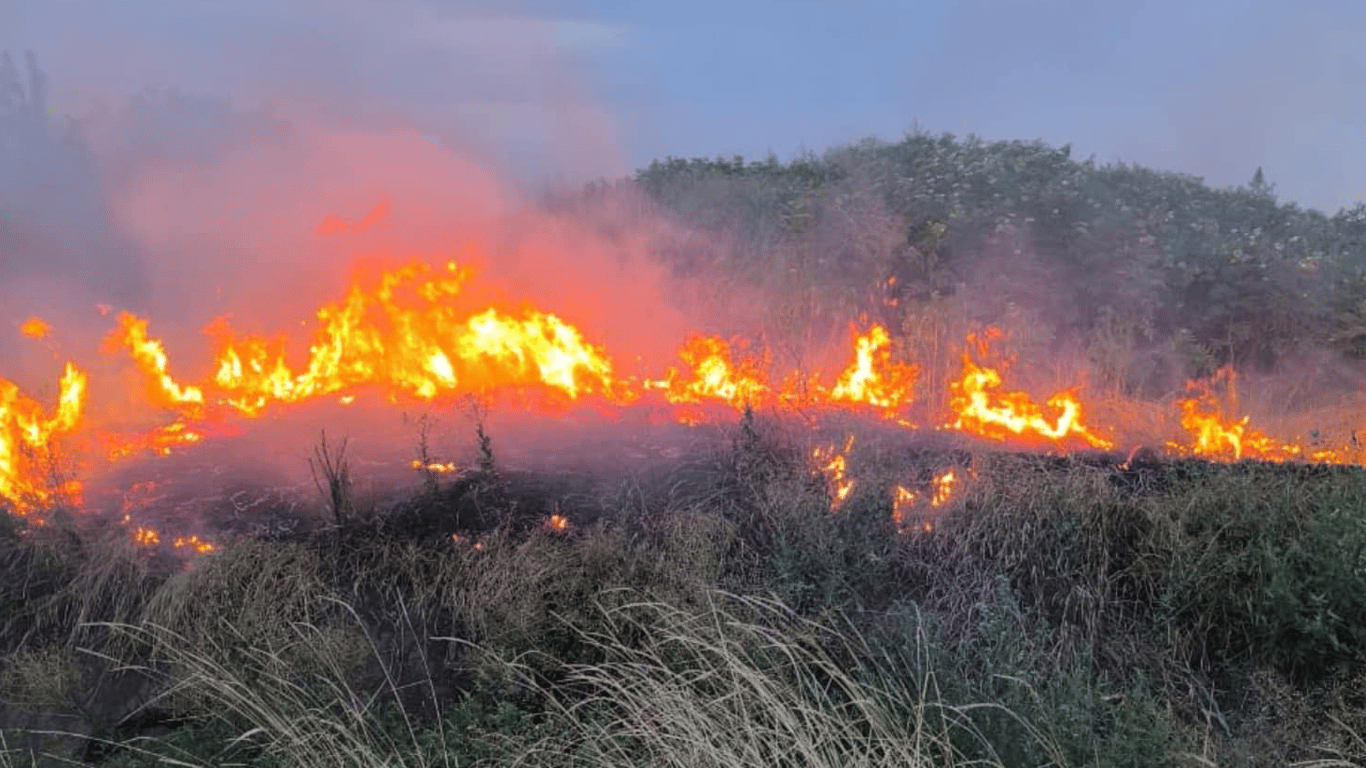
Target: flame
{"x": 35, "y": 328}
{"x": 834, "y": 465}
{"x": 983, "y": 410}
{"x": 28, "y": 438}
{"x": 440, "y": 467}
{"x": 411, "y": 330}
{"x": 146, "y": 536}
{"x": 194, "y": 544}
{"x": 943, "y": 488}
{"x": 1214, "y": 436}
{"x": 873, "y": 378}
{"x": 407, "y": 333}
{"x": 715, "y": 376}
{"x": 558, "y": 522}
{"x": 903, "y": 499}
{"x": 150, "y": 356}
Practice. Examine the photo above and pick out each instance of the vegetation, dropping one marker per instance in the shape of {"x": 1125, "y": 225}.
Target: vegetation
{"x": 718, "y": 609}
{"x": 1060, "y": 611}
{"x": 1122, "y": 262}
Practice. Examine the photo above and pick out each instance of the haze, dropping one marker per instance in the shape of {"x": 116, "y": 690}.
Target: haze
{"x": 564, "y": 92}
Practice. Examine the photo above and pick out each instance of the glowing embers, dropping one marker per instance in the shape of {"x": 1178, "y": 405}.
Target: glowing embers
{"x": 437, "y": 467}
{"x": 834, "y": 465}
{"x": 980, "y": 408}
{"x": 30, "y": 476}
{"x": 909, "y": 509}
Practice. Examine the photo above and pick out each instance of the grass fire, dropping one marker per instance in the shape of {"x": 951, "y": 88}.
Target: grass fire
{"x": 330, "y": 434}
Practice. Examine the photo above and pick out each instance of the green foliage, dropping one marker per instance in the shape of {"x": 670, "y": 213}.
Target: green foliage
{"x": 1273, "y": 567}
{"x": 1246, "y": 277}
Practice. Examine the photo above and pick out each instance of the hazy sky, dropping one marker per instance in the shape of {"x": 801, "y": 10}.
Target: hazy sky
{"x": 575, "y": 89}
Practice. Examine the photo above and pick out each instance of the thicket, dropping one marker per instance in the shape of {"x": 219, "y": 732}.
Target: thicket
{"x": 1119, "y": 260}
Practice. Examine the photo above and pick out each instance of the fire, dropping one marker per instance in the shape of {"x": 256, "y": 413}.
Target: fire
{"x": 35, "y": 328}
{"x": 28, "y": 438}
{"x": 943, "y": 488}
{"x": 873, "y": 378}
{"x": 411, "y": 330}
{"x": 982, "y": 409}
{"x": 1214, "y": 436}
{"x": 407, "y": 332}
{"x": 716, "y": 376}
{"x": 439, "y": 467}
{"x": 146, "y": 536}
{"x": 904, "y": 500}
{"x": 194, "y": 544}
{"x": 834, "y": 465}
{"x": 150, "y": 356}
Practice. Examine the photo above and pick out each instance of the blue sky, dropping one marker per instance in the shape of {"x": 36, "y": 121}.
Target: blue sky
{"x": 573, "y": 90}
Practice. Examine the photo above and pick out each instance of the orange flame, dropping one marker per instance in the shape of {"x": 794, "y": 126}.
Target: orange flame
{"x": 28, "y": 440}
{"x": 983, "y": 410}
{"x": 873, "y": 378}
{"x": 943, "y": 488}
{"x": 407, "y": 333}
{"x": 150, "y": 356}
{"x": 440, "y": 467}
{"x": 716, "y": 376}
{"x": 834, "y": 465}
{"x": 1214, "y": 436}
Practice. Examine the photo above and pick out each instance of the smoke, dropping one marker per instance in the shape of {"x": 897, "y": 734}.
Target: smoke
{"x": 201, "y": 161}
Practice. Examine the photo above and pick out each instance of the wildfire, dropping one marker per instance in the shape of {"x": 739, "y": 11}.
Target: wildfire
{"x": 439, "y": 467}
{"x": 943, "y": 488}
{"x": 28, "y": 438}
{"x": 410, "y": 330}
{"x": 873, "y": 378}
{"x": 194, "y": 544}
{"x": 715, "y": 376}
{"x": 904, "y": 500}
{"x": 150, "y": 356}
{"x": 1215, "y": 436}
{"x": 407, "y": 332}
{"x": 834, "y": 465}
{"x": 982, "y": 409}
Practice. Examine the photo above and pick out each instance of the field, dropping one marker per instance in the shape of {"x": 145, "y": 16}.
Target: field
{"x": 941, "y": 451}
{"x": 718, "y": 609}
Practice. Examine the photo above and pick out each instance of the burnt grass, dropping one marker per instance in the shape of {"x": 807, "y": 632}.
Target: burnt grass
{"x": 1136, "y": 612}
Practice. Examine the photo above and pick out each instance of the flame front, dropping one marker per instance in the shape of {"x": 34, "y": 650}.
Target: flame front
{"x": 982, "y": 409}
{"x": 411, "y": 331}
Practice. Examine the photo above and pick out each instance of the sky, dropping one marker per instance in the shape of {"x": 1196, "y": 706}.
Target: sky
{"x": 563, "y": 92}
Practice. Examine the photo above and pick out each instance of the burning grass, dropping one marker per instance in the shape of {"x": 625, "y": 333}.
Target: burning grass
{"x": 725, "y": 604}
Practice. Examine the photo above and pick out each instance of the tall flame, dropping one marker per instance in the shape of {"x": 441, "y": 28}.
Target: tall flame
{"x": 28, "y": 438}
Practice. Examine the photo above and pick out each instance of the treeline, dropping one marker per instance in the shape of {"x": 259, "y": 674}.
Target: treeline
{"x": 1111, "y": 257}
